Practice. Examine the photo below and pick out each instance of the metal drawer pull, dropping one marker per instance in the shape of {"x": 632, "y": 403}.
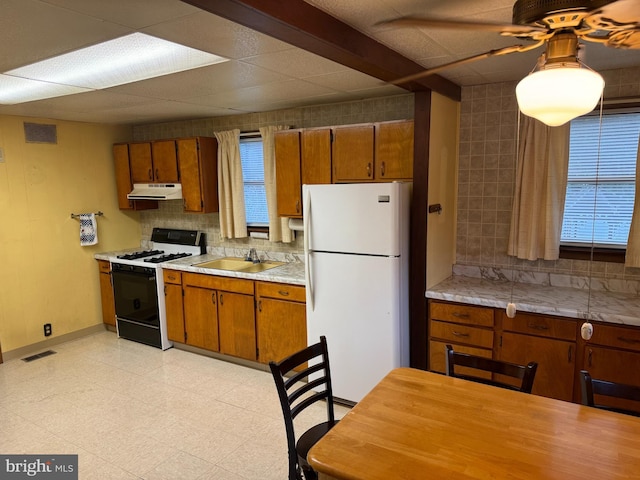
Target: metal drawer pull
{"x": 461, "y": 315}
{"x": 284, "y": 293}
{"x": 537, "y": 327}
{"x": 460, "y": 334}
{"x": 369, "y": 169}
{"x": 590, "y": 357}
{"x": 628, "y": 340}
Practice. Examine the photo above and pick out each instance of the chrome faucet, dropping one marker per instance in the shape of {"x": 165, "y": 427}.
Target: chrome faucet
{"x": 253, "y": 256}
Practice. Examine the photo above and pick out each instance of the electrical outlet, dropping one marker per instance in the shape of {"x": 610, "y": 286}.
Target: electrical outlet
{"x": 47, "y": 329}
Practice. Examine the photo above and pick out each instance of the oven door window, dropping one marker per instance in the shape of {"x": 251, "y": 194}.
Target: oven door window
{"x": 136, "y": 297}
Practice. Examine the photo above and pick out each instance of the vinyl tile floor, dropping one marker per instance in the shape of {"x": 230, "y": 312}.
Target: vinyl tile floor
{"x": 130, "y": 411}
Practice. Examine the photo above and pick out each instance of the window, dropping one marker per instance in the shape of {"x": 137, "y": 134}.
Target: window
{"x": 602, "y": 188}
{"x": 255, "y": 198}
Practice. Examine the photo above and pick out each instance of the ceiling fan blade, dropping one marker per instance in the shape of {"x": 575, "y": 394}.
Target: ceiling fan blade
{"x": 424, "y": 22}
{"x": 620, "y": 12}
{"x": 463, "y": 61}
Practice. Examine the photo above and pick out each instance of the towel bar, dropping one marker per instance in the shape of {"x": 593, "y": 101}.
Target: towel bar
{"x": 77, "y": 215}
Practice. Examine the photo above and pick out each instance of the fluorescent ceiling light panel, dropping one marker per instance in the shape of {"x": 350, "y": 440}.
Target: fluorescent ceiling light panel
{"x": 123, "y": 60}
{"x": 18, "y": 90}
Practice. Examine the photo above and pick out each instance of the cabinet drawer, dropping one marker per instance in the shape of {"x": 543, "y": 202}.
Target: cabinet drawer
{"x": 540, "y": 326}
{"x": 236, "y": 285}
{"x": 282, "y": 291}
{"x": 172, "y": 276}
{"x": 104, "y": 266}
{"x": 465, "y": 314}
{"x": 614, "y": 336}
{"x": 457, "y": 333}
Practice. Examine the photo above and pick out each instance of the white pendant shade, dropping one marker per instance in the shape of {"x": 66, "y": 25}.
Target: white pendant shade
{"x": 557, "y": 95}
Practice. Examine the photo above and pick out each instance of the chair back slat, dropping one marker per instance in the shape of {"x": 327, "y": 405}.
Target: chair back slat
{"x": 590, "y": 387}
{"x": 524, "y": 373}
{"x": 299, "y": 388}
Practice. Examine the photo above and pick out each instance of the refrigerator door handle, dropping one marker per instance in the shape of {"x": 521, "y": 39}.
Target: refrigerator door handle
{"x": 306, "y": 222}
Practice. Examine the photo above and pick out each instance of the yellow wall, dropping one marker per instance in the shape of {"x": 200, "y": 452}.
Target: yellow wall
{"x": 45, "y": 275}
{"x": 443, "y": 165}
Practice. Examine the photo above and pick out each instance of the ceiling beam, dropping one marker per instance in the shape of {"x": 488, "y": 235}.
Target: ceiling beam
{"x": 304, "y": 26}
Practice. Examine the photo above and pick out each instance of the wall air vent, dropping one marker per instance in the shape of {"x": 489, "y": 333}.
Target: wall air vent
{"x": 40, "y": 133}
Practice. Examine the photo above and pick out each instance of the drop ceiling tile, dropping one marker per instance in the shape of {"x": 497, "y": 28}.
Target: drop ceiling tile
{"x": 347, "y": 81}
{"x": 296, "y": 63}
{"x": 210, "y": 33}
{"x": 360, "y": 14}
{"x": 202, "y": 81}
{"x": 31, "y": 30}
{"x": 132, "y": 13}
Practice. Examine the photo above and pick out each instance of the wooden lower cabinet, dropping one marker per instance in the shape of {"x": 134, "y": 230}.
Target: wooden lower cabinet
{"x": 219, "y": 314}
{"x": 556, "y": 362}
{"x": 201, "y": 317}
{"x": 237, "y": 325}
{"x": 280, "y": 319}
{"x": 174, "y": 305}
{"x": 106, "y": 293}
{"x": 613, "y": 354}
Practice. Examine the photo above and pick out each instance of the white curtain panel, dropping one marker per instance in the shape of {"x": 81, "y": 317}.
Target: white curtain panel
{"x": 279, "y": 230}
{"x": 632, "y": 258}
{"x": 541, "y": 182}
{"x": 233, "y": 220}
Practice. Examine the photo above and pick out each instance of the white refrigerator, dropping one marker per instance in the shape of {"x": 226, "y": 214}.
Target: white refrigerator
{"x": 356, "y": 240}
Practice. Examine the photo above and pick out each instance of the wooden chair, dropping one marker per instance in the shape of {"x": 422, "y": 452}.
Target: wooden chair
{"x": 524, "y": 373}
{"x": 296, "y": 395}
{"x": 590, "y": 386}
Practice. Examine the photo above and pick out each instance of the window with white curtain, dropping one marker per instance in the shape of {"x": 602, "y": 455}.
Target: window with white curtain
{"x": 601, "y": 180}
{"x": 255, "y": 198}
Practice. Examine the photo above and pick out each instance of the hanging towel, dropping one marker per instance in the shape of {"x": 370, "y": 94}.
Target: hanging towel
{"x": 88, "y": 229}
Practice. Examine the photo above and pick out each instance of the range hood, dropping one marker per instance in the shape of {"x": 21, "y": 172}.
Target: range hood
{"x": 156, "y": 191}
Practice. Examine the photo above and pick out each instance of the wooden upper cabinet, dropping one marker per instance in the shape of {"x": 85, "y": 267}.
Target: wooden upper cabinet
{"x": 197, "y": 158}
{"x": 353, "y": 153}
{"x": 288, "y": 174}
{"x": 141, "y": 163}
{"x": 394, "y": 151}
{"x": 316, "y": 156}
{"x": 121, "y": 160}
{"x": 165, "y": 161}
{"x": 154, "y": 162}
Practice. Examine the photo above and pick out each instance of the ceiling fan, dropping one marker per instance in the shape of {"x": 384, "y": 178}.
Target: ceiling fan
{"x": 558, "y": 24}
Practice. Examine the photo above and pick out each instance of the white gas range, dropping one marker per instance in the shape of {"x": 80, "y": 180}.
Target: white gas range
{"x": 138, "y": 285}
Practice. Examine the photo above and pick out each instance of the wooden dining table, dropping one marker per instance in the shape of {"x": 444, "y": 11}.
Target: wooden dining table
{"x": 422, "y": 425}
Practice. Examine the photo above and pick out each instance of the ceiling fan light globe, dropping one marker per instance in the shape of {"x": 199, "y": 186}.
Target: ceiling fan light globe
{"x": 557, "y": 95}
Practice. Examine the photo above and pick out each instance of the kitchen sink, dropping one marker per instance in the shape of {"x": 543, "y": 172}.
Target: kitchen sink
{"x": 237, "y": 264}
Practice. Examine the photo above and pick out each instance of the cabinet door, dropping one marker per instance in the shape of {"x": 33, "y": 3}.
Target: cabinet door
{"x": 165, "y": 162}
{"x": 288, "y": 177}
{"x": 175, "y": 314}
{"x": 282, "y": 329}
{"x": 613, "y": 365}
{"x": 556, "y": 362}
{"x": 123, "y": 175}
{"x": 236, "y": 316}
{"x": 140, "y": 162}
{"x": 190, "y": 175}
{"x": 352, "y": 153}
{"x": 394, "y": 151}
{"x": 316, "y": 156}
{"x": 201, "y": 317}
{"x": 106, "y": 295}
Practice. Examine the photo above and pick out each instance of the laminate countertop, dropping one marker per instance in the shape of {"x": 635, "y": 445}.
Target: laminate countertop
{"x": 574, "y": 297}
{"x": 292, "y": 272}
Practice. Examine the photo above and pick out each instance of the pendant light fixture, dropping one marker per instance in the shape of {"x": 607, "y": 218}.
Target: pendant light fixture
{"x": 562, "y": 88}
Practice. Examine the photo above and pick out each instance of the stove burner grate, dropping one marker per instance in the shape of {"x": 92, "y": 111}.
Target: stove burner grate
{"x": 142, "y": 254}
{"x": 167, "y": 257}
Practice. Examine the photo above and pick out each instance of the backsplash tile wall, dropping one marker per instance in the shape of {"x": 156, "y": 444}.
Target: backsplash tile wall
{"x": 488, "y": 125}
{"x": 170, "y": 214}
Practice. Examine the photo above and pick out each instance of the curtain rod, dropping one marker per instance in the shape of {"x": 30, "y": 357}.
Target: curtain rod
{"x": 255, "y": 133}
